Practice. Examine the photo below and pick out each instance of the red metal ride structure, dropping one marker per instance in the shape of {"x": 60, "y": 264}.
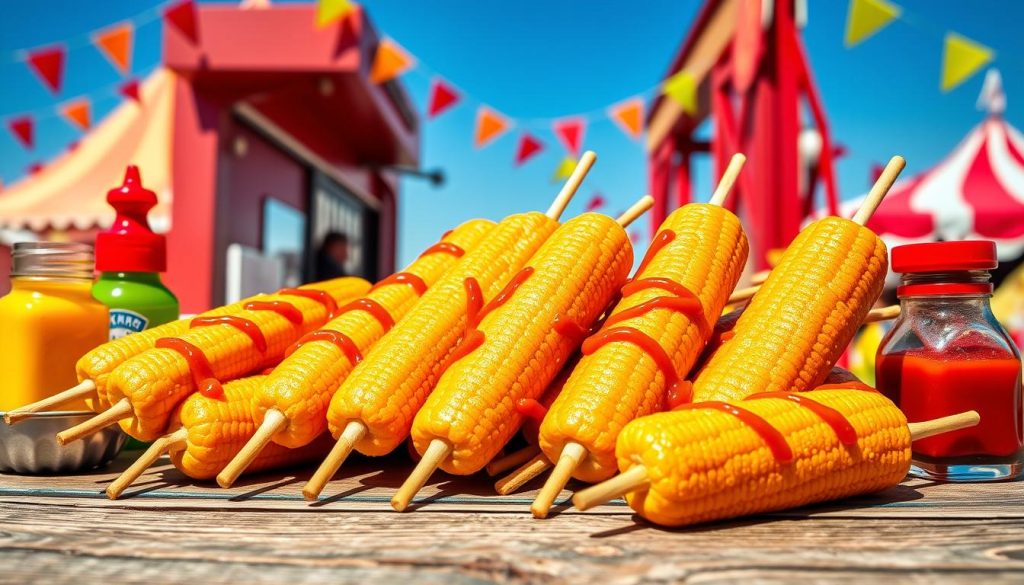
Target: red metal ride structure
{"x": 755, "y": 83}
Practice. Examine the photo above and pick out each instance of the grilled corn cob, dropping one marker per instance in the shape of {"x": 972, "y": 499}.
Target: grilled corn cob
{"x": 722, "y": 460}
{"x": 804, "y": 316}
{"x": 514, "y": 350}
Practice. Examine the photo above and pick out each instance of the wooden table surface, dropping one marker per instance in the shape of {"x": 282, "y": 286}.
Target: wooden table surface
{"x": 64, "y": 530}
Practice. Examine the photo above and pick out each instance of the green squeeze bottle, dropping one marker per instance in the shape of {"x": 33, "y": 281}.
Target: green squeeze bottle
{"x": 130, "y": 258}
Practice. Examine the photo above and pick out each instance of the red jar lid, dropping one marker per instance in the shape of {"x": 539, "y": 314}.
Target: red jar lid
{"x": 945, "y": 256}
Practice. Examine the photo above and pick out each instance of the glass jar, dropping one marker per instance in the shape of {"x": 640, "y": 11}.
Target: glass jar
{"x": 50, "y": 319}
{"x": 947, "y": 354}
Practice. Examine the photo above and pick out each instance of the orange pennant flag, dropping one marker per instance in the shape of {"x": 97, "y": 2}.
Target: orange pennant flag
{"x": 78, "y": 112}
{"x": 489, "y": 126}
{"x": 116, "y": 44}
{"x": 629, "y": 115}
{"x": 390, "y": 61}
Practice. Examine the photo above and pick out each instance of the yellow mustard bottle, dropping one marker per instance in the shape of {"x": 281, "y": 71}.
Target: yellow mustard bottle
{"x": 47, "y": 321}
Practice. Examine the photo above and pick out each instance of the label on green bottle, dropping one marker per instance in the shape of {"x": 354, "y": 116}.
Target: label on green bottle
{"x": 124, "y": 322}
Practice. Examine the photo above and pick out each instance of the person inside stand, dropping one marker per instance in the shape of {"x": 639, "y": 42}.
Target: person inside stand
{"x": 332, "y": 256}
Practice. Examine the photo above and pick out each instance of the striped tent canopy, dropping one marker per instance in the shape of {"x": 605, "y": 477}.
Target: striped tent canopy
{"x": 977, "y": 192}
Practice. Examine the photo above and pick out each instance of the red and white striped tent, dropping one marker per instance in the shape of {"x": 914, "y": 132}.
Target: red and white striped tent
{"x": 977, "y": 192}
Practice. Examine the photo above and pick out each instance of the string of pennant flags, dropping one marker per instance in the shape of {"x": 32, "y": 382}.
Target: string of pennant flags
{"x": 962, "y": 58}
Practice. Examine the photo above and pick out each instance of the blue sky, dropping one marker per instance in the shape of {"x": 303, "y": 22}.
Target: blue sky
{"x": 539, "y": 60}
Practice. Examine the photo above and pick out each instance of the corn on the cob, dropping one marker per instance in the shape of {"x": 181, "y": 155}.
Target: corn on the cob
{"x": 155, "y": 381}
{"x": 387, "y": 388}
{"x": 706, "y": 463}
{"x": 515, "y": 349}
{"x": 805, "y": 314}
{"x": 217, "y": 428}
{"x": 619, "y": 381}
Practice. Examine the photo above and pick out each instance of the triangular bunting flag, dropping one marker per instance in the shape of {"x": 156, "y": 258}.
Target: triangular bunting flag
{"x": 130, "y": 90}
{"x": 73, "y": 145}
{"x": 330, "y": 11}
{"x": 489, "y": 126}
{"x": 564, "y": 169}
{"x": 570, "y": 131}
{"x": 629, "y": 115}
{"x": 116, "y": 44}
{"x": 77, "y": 112}
{"x": 528, "y": 148}
{"x": 962, "y": 58}
{"x": 635, "y": 237}
{"x": 35, "y": 168}
{"x": 183, "y": 16}
{"x": 23, "y": 128}
{"x": 48, "y": 64}
{"x": 596, "y": 202}
{"x": 867, "y": 17}
{"x": 390, "y": 61}
{"x": 442, "y": 97}
{"x": 682, "y": 89}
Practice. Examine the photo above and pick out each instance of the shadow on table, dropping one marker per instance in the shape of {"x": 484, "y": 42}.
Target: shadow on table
{"x": 893, "y": 495}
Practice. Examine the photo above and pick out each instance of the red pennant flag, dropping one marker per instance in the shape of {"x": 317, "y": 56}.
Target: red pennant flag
{"x": 23, "y": 128}
{"x": 528, "y": 148}
{"x": 570, "y": 131}
{"x": 596, "y": 202}
{"x": 635, "y": 237}
{"x": 35, "y": 168}
{"x": 48, "y": 64}
{"x": 78, "y": 113}
{"x": 73, "y": 145}
{"x": 130, "y": 90}
{"x": 183, "y": 16}
{"x": 116, "y": 44}
{"x": 876, "y": 171}
{"x": 442, "y": 97}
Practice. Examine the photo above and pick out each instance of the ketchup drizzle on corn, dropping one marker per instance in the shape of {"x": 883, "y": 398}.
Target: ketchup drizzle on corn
{"x": 644, "y": 342}
{"x": 340, "y": 340}
{"x": 476, "y": 311}
{"x": 199, "y": 367}
{"x": 283, "y": 308}
{"x": 770, "y": 435}
{"x": 844, "y": 430}
{"x": 314, "y": 295}
{"x": 661, "y": 240}
{"x": 375, "y": 309}
{"x": 244, "y": 325}
{"x": 408, "y": 278}
{"x": 444, "y": 248}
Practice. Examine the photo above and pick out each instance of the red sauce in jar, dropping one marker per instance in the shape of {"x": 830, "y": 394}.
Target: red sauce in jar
{"x": 985, "y": 379}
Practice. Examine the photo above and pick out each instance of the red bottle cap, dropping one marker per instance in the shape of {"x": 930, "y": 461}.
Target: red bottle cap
{"x": 130, "y": 245}
{"x": 945, "y": 256}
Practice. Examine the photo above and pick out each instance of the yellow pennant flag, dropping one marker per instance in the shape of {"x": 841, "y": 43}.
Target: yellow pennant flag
{"x": 390, "y": 61}
{"x": 682, "y": 89}
{"x": 330, "y": 11}
{"x": 564, "y": 169}
{"x": 866, "y": 17}
{"x": 962, "y": 58}
{"x": 629, "y": 115}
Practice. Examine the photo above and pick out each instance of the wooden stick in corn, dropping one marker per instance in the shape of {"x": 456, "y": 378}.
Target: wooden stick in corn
{"x": 139, "y": 466}
{"x": 82, "y": 390}
{"x": 572, "y": 184}
{"x": 519, "y": 349}
{"x": 503, "y": 463}
{"x": 652, "y": 342}
{"x": 377, "y": 401}
{"x": 769, "y": 452}
{"x": 145, "y": 388}
{"x": 523, "y": 475}
{"x": 878, "y": 191}
{"x": 299, "y": 390}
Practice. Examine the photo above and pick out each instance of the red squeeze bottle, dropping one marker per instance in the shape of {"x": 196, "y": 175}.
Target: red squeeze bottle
{"x": 947, "y": 354}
